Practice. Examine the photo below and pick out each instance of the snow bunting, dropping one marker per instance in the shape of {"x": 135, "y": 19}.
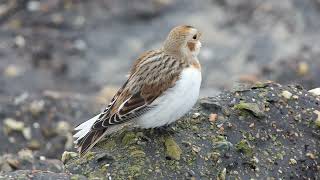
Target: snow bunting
{"x": 162, "y": 86}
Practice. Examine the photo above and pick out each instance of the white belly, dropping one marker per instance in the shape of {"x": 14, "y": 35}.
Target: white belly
{"x": 176, "y": 102}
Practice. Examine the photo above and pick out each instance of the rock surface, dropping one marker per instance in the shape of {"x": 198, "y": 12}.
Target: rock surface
{"x": 256, "y": 133}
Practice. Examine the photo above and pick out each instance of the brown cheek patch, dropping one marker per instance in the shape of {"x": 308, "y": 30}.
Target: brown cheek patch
{"x": 191, "y": 46}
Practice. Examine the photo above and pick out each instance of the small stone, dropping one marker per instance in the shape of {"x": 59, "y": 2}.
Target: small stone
{"x": 33, "y": 6}
{"x": 317, "y": 121}
{"x": 20, "y": 41}
{"x": 286, "y": 94}
{"x": 292, "y": 161}
{"x": 251, "y": 125}
{"x": 63, "y": 127}
{"x": 34, "y": 145}
{"x": 13, "y": 125}
{"x": 196, "y": 148}
{"x": 315, "y": 91}
{"x": 11, "y": 71}
{"x": 36, "y": 107}
{"x": 27, "y": 133}
{"x": 21, "y": 98}
{"x": 295, "y": 97}
{"x": 311, "y": 155}
{"x": 66, "y": 156}
{"x": 14, "y": 163}
{"x": 222, "y": 174}
{"x": 195, "y": 115}
{"x": 25, "y": 154}
{"x": 42, "y": 158}
{"x": 303, "y": 68}
{"x": 213, "y": 117}
{"x": 255, "y": 108}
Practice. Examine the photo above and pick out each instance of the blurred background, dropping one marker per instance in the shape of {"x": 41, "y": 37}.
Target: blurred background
{"x": 78, "y": 53}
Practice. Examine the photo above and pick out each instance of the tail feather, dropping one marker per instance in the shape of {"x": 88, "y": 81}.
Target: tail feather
{"x": 86, "y": 138}
{"x": 86, "y": 143}
{"x": 84, "y": 128}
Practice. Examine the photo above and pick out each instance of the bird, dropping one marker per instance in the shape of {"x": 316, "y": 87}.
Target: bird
{"x": 162, "y": 86}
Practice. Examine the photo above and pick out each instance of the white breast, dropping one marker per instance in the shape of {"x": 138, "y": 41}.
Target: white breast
{"x": 176, "y": 101}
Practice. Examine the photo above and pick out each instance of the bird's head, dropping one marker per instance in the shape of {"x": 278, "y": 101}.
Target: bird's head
{"x": 183, "y": 40}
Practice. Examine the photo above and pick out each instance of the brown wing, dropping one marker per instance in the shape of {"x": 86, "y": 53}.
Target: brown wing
{"x": 151, "y": 75}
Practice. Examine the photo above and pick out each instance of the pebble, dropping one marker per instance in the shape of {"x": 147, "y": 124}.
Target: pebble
{"x": 63, "y": 127}
{"x": 66, "y": 156}
{"x": 25, "y": 154}
{"x": 11, "y": 71}
{"x": 315, "y": 91}
{"x": 286, "y": 94}
{"x": 12, "y": 124}
{"x": 33, "y": 6}
{"x": 36, "y": 107}
{"x": 27, "y": 133}
{"x": 292, "y": 161}
{"x": 213, "y": 117}
{"x": 195, "y": 115}
{"x": 20, "y": 41}
{"x": 34, "y": 145}
{"x": 311, "y": 155}
{"x": 317, "y": 121}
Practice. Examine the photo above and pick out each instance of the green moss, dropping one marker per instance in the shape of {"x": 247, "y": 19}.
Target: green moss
{"x": 75, "y": 177}
{"x": 109, "y": 144}
{"x": 254, "y": 108}
{"x": 89, "y": 156}
{"x": 244, "y": 147}
{"x": 172, "y": 148}
{"x": 221, "y": 144}
{"x": 137, "y": 153}
{"x": 129, "y": 138}
{"x": 134, "y": 170}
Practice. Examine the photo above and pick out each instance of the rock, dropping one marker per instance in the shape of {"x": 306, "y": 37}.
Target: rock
{"x": 252, "y": 107}
{"x": 13, "y": 125}
{"x": 34, "y": 145}
{"x": 286, "y": 94}
{"x": 315, "y": 91}
{"x": 25, "y": 154}
{"x": 213, "y": 117}
{"x": 12, "y": 71}
{"x": 241, "y": 150}
{"x": 63, "y": 127}
{"x": 27, "y": 133}
{"x": 317, "y": 121}
{"x": 36, "y": 107}
{"x": 66, "y": 156}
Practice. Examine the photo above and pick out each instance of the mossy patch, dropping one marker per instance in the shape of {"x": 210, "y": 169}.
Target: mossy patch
{"x": 254, "y": 108}
{"x": 244, "y": 147}
{"x": 129, "y": 138}
{"x": 173, "y": 151}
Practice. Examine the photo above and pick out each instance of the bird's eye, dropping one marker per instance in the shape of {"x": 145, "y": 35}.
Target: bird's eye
{"x": 195, "y": 36}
